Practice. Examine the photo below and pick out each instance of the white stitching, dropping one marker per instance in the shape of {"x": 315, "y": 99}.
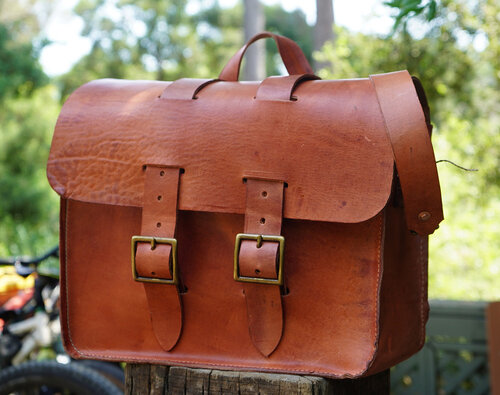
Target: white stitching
{"x": 422, "y": 291}
{"x": 66, "y": 274}
{"x": 377, "y": 295}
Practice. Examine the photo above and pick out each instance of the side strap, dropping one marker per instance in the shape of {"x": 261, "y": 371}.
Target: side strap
{"x": 258, "y": 259}
{"x": 411, "y": 144}
{"x": 154, "y": 260}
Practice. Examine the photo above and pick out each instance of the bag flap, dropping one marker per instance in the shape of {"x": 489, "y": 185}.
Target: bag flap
{"x": 330, "y": 146}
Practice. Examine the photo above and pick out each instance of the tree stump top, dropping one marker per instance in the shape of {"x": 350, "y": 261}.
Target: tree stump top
{"x": 156, "y": 380}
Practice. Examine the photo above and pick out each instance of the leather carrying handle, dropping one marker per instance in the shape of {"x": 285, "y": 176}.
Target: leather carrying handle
{"x": 294, "y": 59}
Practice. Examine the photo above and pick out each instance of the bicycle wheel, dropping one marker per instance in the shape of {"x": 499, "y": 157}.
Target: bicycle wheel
{"x": 111, "y": 371}
{"x": 50, "y": 377}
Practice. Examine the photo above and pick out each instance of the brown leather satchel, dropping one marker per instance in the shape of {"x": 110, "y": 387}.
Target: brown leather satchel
{"x": 274, "y": 226}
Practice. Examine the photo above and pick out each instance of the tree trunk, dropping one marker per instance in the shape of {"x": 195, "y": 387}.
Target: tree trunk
{"x": 323, "y": 30}
{"x": 255, "y": 65}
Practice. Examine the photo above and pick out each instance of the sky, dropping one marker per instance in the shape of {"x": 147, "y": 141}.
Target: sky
{"x": 63, "y": 29}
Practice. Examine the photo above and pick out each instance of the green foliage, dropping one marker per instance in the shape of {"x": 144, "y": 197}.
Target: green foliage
{"x": 289, "y": 24}
{"x": 464, "y": 251}
{"x": 443, "y": 68}
{"x": 411, "y": 8}
{"x": 29, "y": 208}
{"x": 20, "y": 73}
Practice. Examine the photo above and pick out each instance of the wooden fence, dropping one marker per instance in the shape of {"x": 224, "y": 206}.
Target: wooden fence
{"x": 454, "y": 359}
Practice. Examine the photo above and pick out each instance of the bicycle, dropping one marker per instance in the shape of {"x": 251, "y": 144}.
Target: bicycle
{"x": 30, "y": 329}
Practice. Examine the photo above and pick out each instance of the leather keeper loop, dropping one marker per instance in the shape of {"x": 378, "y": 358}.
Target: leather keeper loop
{"x": 185, "y": 88}
{"x": 281, "y": 88}
{"x": 154, "y": 263}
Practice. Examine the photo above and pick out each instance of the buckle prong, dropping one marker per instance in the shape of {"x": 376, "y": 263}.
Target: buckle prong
{"x": 259, "y": 240}
{"x": 154, "y": 241}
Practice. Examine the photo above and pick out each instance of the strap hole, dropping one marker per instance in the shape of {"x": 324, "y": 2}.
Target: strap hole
{"x": 257, "y": 271}
{"x": 162, "y": 173}
{"x": 158, "y": 224}
{"x": 159, "y": 197}
{"x": 262, "y": 221}
{"x": 153, "y": 273}
{"x": 264, "y": 193}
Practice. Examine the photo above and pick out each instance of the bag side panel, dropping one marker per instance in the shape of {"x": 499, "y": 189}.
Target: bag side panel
{"x": 404, "y": 307}
{"x": 330, "y": 313}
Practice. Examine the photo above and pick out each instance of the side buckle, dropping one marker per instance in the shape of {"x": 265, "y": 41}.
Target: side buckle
{"x": 154, "y": 241}
{"x": 259, "y": 239}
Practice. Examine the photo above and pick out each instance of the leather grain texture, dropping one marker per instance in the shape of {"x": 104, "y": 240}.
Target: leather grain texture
{"x": 222, "y": 137}
{"x": 343, "y": 170}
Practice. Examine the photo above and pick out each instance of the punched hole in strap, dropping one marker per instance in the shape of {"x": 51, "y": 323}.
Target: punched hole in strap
{"x": 158, "y": 227}
{"x": 154, "y": 253}
{"x": 259, "y": 261}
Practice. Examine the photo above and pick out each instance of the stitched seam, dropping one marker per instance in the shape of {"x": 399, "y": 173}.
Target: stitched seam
{"x": 135, "y": 359}
{"x": 422, "y": 290}
{"x": 376, "y": 294}
{"x": 376, "y": 304}
{"x": 66, "y": 248}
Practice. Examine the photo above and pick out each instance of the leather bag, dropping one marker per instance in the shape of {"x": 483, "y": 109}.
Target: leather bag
{"x": 273, "y": 226}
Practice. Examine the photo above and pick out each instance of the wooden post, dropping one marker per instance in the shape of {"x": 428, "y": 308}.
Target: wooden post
{"x": 156, "y": 380}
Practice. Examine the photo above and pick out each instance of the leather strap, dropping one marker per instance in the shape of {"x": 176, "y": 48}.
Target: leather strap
{"x": 159, "y": 216}
{"x": 415, "y": 162}
{"x": 263, "y": 216}
{"x": 294, "y": 59}
{"x": 280, "y": 88}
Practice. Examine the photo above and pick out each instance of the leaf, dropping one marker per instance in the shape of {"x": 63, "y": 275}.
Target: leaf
{"x": 431, "y": 13}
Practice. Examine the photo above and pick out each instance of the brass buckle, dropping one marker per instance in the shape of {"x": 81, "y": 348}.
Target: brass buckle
{"x": 259, "y": 239}
{"x": 154, "y": 241}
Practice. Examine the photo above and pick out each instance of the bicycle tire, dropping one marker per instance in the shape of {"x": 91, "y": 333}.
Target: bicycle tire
{"x": 111, "y": 371}
{"x": 55, "y": 378}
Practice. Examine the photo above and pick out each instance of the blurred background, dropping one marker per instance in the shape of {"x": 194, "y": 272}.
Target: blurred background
{"x": 49, "y": 48}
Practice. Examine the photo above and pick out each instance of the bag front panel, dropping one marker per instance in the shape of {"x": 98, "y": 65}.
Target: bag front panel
{"x": 330, "y": 311}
